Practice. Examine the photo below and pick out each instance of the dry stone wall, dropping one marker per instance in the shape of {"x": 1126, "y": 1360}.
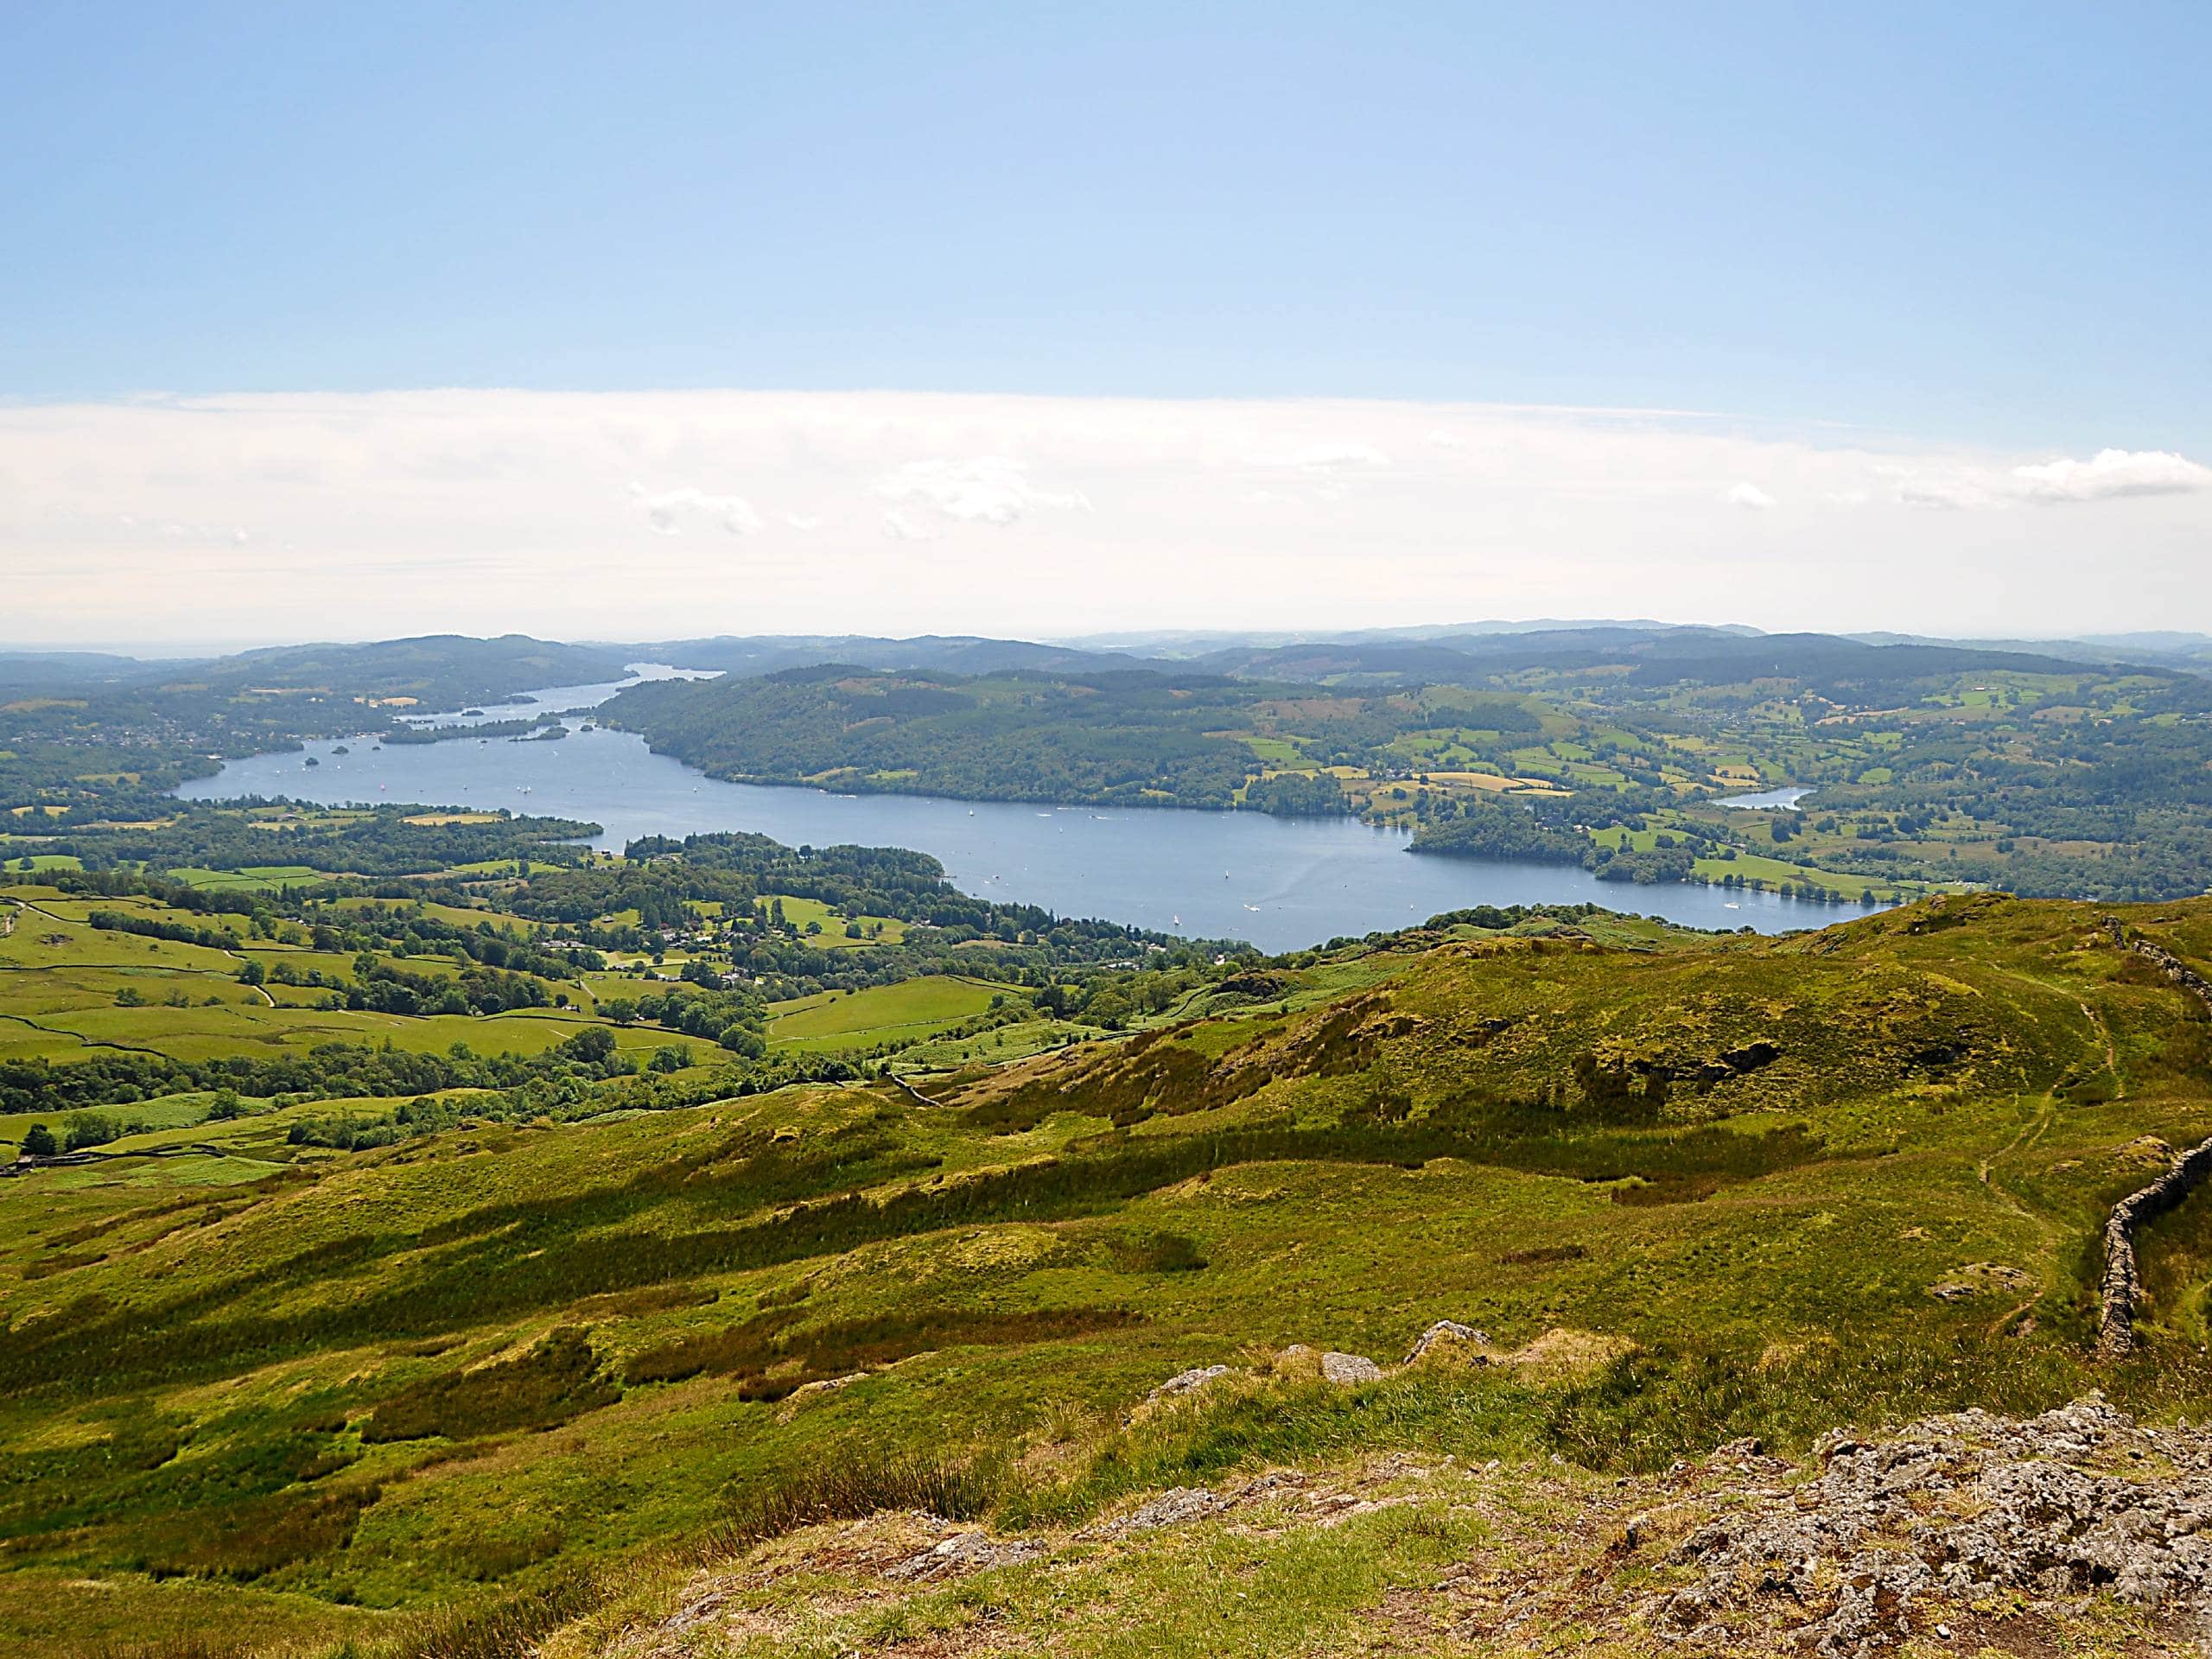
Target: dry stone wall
{"x": 2121, "y": 1288}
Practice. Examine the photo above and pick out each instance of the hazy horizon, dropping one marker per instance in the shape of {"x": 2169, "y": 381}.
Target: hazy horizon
{"x": 670, "y": 514}
{"x": 155, "y": 649}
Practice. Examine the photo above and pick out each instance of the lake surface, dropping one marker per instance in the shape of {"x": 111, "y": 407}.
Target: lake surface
{"x": 1281, "y": 883}
{"x": 1767, "y": 800}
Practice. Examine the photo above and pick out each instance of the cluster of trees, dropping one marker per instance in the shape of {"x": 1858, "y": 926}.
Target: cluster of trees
{"x": 1119, "y": 738}
{"x": 483, "y": 730}
{"x": 734, "y": 1018}
{"x": 1503, "y": 829}
{"x": 369, "y": 842}
{"x": 1298, "y": 795}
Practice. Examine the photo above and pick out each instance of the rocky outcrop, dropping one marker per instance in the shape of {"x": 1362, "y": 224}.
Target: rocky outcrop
{"x": 1954, "y": 1511}
{"x": 2120, "y": 1288}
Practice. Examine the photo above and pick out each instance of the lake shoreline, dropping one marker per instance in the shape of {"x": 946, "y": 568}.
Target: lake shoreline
{"x": 1283, "y": 883}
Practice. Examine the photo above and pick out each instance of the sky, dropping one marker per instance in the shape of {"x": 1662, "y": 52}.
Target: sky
{"x": 662, "y": 320}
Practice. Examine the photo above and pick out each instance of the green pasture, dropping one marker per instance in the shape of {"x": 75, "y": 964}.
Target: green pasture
{"x": 252, "y": 878}
{"x": 859, "y": 1019}
{"x": 799, "y": 912}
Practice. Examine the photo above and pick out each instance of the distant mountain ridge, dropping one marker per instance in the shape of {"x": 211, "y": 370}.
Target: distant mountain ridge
{"x": 463, "y": 668}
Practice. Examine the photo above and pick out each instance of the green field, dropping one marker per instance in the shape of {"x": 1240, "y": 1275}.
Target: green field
{"x": 252, "y": 878}
{"x": 60, "y": 980}
{"x": 857, "y": 1019}
{"x": 883, "y": 929}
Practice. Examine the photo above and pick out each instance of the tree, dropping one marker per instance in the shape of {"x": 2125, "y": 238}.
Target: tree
{"x": 592, "y": 1044}
{"x": 253, "y": 973}
{"x": 39, "y": 1143}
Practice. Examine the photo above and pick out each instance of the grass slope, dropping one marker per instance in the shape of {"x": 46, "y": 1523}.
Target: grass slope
{"x": 1714, "y": 1185}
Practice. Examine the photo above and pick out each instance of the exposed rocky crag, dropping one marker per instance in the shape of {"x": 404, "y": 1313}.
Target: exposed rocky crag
{"x": 1971, "y": 1533}
{"x": 2077, "y": 1501}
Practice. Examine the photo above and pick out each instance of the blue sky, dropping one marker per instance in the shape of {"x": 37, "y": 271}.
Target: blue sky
{"x": 1973, "y": 222}
{"x": 1046, "y": 319}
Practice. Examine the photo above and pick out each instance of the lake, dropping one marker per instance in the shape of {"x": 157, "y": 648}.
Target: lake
{"x": 1281, "y": 883}
{"x": 1767, "y": 800}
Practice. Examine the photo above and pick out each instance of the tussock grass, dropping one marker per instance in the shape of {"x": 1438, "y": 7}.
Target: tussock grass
{"x": 510, "y": 1627}
{"x": 845, "y": 1487}
{"x": 555, "y": 1380}
{"x": 750, "y": 1349}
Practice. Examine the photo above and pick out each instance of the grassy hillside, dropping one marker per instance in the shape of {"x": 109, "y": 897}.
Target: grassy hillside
{"x": 531, "y": 1374}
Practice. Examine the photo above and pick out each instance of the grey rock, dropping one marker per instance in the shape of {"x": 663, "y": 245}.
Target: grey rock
{"x": 1958, "y": 1508}
{"x": 1349, "y": 1367}
{"x": 964, "y": 1553}
{"x": 1443, "y": 1330}
{"x": 1173, "y": 1507}
{"x": 1188, "y": 1381}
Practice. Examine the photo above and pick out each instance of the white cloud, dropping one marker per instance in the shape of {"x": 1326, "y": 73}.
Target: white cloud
{"x": 990, "y": 490}
{"x": 2108, "y": 475}
{"x": 667, "y": 512}
{"x": 1943, "y": 489}
{"x": 481, "y": 511}
{"x": 1325, "y": 458}
{"x": 1748, "y": 495}
{"x": 2112, "y": 472}
{"x": 1442, "y": 439}
{"x": 175, "y": 531}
